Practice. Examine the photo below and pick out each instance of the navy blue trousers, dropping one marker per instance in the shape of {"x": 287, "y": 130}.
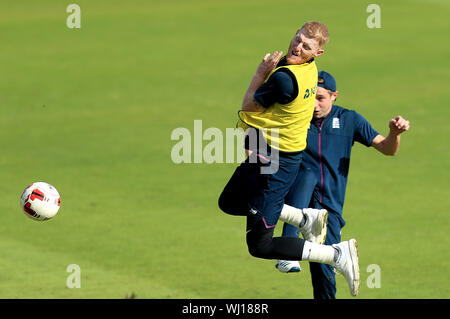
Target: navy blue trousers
{"x": 260, "y": 197}
{"x": 300, "y": 196}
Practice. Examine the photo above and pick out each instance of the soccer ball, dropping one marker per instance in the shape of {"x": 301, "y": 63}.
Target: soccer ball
{"x": 40, "y": 201}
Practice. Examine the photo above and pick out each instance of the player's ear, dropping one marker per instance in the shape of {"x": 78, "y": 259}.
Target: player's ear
{"x": 319, "y": 52}
{"x": 334, "y": 96}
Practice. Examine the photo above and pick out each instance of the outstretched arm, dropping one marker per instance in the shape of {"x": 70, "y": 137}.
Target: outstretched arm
{"x": 249, "y": 103}
{"x": 389, "y": 145}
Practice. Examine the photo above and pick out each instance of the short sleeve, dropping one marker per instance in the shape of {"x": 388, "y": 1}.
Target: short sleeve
{"x": 281, "y": 87}
{"x": 364, "y": 132}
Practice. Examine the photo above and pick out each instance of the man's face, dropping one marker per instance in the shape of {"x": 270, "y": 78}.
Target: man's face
{"x": 324, "y": 102}
{"x": 302, "y": 49}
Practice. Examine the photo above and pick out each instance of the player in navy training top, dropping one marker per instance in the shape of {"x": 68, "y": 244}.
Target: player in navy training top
{"x": 322, "y": 179}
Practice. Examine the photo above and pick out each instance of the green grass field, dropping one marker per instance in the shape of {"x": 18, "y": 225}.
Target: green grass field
{"x": 91, "y": 111}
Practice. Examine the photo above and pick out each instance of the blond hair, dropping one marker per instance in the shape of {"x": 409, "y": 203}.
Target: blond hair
{"x": 316, "y": 30}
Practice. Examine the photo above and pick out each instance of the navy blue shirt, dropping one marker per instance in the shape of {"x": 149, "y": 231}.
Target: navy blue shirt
{"x": 280, "y": 87}
{"x": 328, "y": 153}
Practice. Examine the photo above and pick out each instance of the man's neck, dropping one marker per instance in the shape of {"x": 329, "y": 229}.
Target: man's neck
{"x": 283, "y": 61}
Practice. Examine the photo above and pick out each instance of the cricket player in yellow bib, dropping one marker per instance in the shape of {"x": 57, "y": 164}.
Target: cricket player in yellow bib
{"x": 291, "y": 120}
{"x": 276, "y": 111}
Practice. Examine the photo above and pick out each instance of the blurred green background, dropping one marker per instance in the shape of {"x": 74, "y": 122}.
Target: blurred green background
{"x": 91, "y": 111}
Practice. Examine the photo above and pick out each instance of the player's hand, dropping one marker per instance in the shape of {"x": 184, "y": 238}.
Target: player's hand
{"x": 268, "y": 63}
{"x": 398, "y": 125}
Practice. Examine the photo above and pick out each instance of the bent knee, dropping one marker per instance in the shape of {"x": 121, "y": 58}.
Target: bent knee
{"x": 223, "y": 203}
{"x": 233, "y": 205}
{"x": 259, "y": 248}
{"x": 257, "y": 252}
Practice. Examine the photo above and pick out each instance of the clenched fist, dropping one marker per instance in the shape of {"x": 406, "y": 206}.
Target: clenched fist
{"x": 398, "y": 125}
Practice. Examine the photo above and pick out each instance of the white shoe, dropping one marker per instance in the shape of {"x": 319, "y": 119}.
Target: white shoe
{"x": 315, "y": 227}
{"x": 288, "y": 266}
{"x": 347, "y": 264}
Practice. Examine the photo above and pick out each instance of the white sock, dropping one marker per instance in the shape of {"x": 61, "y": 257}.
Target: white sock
{"x": 291, "y": 215}
{"x": 323, "y": 254}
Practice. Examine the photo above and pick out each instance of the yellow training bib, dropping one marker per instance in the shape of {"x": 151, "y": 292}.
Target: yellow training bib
{"x": 285, "y": 126}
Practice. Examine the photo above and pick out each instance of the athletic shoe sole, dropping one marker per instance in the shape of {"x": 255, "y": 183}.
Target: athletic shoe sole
{"x": 292, "y": 269}
{"x": 353, "y": 246}
{"x": 321, "y": 227}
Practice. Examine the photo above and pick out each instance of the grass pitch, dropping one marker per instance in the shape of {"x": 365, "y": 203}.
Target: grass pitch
{"x": 91, "y": 111}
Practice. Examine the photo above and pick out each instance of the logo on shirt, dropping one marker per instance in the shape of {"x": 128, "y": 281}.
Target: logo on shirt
{"x": 336, "y": 122}
{"x": 310, "y": 92}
